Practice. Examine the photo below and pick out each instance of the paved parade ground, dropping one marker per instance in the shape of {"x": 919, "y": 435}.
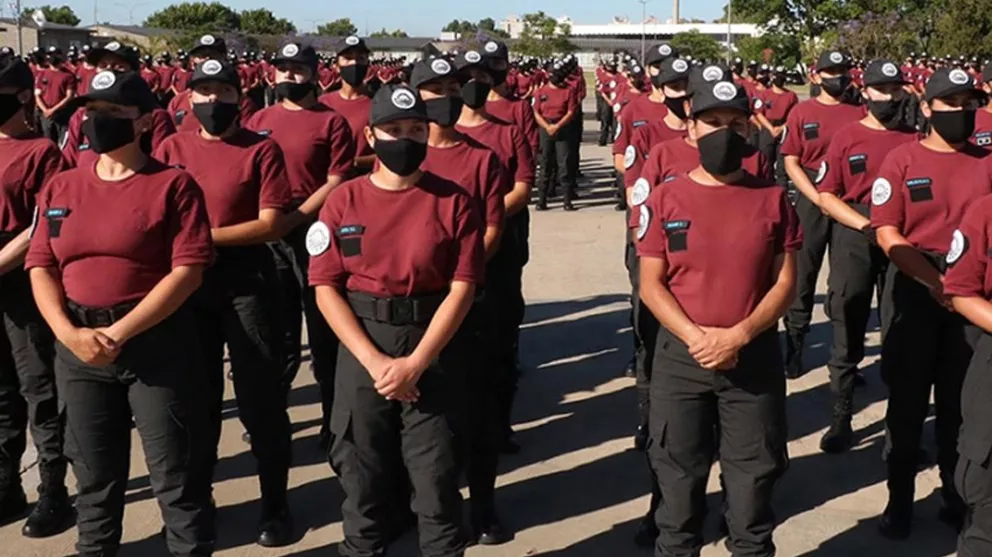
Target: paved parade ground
{"x": 578, "y": 488}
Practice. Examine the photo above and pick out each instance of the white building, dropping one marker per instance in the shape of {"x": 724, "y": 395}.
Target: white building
{"x": 624, "y": 28}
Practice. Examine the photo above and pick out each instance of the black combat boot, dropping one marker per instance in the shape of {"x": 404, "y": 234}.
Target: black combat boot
{"x": 13, "y": 502}
{"x": 839, "y": 437}
{"x": 53, "y": 514}
{"x": 794, "y": 355}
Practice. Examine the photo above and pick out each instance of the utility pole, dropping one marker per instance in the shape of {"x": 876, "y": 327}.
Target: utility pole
{"x": 730, "y": 43}
{"x": 644, "y": 25}
{"x": 95, "y": 20}
{"x": 17, "y": 18}
{"x": 676, "y": 19}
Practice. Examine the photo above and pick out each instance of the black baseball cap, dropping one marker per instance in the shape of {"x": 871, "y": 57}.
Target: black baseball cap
{"x": 495, "y": 50}
{"x": 121, "y": 88}
{"x": 128, "y": 53}
{"x": 209, "y": 44}
{"x": 215, "y": 70}
{"x": 883, "y": 72}
{"x": 722, "y": 94}
{"x": 660, "y": 53}
{"x": 833, "y": 59}
{"x": 15, "y": 73}
{"x": 470, "y": 59}
{"x": 396, "y": 102}
{"x": 298, "y": 54}
{"x": 673, "y": 70}
{"x": 949, "y": 81}
{"x": 428, "y": 70}
{"x": 701, "y": 77}
{"x": 350, "y": 43}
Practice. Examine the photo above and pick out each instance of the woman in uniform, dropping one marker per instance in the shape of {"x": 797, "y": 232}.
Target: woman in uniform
{"x": 918, "y": 198}
{"x": 27, "y": 163}
{"x": 717, "y": 371}
{"x": 118, "y": 248}
{"x": 396, "y": 257}
{"x": 243, "y": 178}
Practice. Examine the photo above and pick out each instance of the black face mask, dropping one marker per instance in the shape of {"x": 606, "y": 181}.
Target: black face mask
{"x": 676, "y": 105}
{"x": 444, "y": 111}
{"x": 721, "y": 152}
{"x": 9, "y": 105}
{"x": 954, "y": 126}
{"x": 107, "y": 133}
{"x": 889, "y": 113}
{"x": 499, "y": 77}
{"x": 295, "y": 92}
{"x": 354, "y": 75}
{"x": 475, "y": 93}
{"x": 835, "y": 86}
{"x": 216, "y": 117}
{"x": 402, "y": 156}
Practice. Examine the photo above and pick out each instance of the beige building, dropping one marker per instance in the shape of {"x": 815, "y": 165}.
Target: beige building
{"x": 133, "y": 34}
{"x": 45, "y": 36}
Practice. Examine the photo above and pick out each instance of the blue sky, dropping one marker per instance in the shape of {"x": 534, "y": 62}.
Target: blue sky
{"x": 424, "y": 18}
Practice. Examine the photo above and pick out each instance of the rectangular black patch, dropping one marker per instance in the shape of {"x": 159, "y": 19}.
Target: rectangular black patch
{"x": 858, "y": 164}
{"x": 920, "y": 189}
{"x": 678, "y": 241}
{"x": 811, "y": 131}
{"x": 54, "y": 228}
{"x": 351, "y": 246}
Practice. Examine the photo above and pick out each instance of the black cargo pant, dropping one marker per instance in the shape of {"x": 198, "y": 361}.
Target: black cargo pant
{"x": 556, "y": 155}
{"x": 237, "y": 307}
{"x": 575, "y": 130}
{"x": 809, "y": 259}
{"x": 380, "y": 444}
{"x": 292, "y": 267}
{"x": 694, "y": 413}
{"x": 857, "y": 271}
{"x": 159, "y": 379}
{"x": 925, "y": 346}
{"x": 973, "y": 477}
{"x": 28, "y": 397}
{"x": 607, "y": 124}
{"x": 505, "y": 300}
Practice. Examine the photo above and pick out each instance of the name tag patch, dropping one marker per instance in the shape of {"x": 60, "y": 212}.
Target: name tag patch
{"x": 677, "y": 232}
{"x": 983, "y": 139}
{"x": 350, "y": 239}
{"x": 858, "y": 164}
{"x": 54, "y": 216}
{"x": 811, "y": 131}
{"x": 920, "y": 189}
{"x": 639, "y": 123}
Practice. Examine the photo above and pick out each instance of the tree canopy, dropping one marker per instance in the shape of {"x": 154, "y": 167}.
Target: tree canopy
{"x": 338, "y": 28}
{"x": 264, "y": 22}
{"x": 695, "y": 44}
{"x": 543, "y": 36}
{"x": 465, "y": 28}
{"x": 62, "y": 15}
{"x": 195, "y": 16}
{"x": 397, "y": 33}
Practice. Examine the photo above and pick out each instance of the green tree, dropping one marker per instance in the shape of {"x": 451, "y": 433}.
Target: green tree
{"x": 397, "y": 34}
{"x": 458, "y": 26}
{"x": 697, "y": 45}
{"x": 264, "y": 22}
{"x": 963, "y": 27}
{"x": 338, "y": 28}
{"x": 62, "y": 15}
{"x": 195, "y": 17}
{"x": 543, "y": 36}
{"x": 779, "y": 50}
{"x": 488, "y": 26}
{"x": 466, "y": 28}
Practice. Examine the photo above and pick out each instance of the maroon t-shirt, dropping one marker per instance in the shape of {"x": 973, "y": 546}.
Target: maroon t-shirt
{"x": 924, "y": 193}
{"x": 180, "y": 79}
{"x": 476, "y": 170}
{"x": 983, "y": 129}
{"x": 970, "y": 274}
{"x": 152, "y": 78}
{"x": 675, "y": 158}
{"x": 112, "y": 242}
{"x": 166, "y": 74}
{"x": 644, "y": 137}
{"x": 638, "y": 112}
{"x": 396, "y": 243}
{"x": 181, "y": 109}
{"x": 239, "y": 175}
{"x": 777, "y": 106}
{"x": 55, "y": 85}
{"x": 810, "y": 128}
{"x": 316, "y": 143}
{"x": 84, "y": 74}
{"x": 75, "y": 146}
{"x": 553, "y": 103}
{"x": 26, "y": 165}
{"x": 854, "y": 158}
{"x": 717, "y": 282}
{"x": 509, "y": 145}
{"x": 519, "y": 113}
{"x": 356, "y": 112}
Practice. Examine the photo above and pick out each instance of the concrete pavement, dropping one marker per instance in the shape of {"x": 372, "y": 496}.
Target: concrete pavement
{"x": 577, "y": 489}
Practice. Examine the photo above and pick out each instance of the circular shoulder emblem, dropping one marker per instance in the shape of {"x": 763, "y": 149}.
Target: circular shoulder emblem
{"x": 104, "y": 80}
{"x": 821, "y": 173}
{"x": 959, "y": 244}
{"x": 680, "y": 66}
{"x": 643, "y": 222}
{"x": 758, "y": 104}
{"x": 712, "y": 73}
{"x": 441, "y": 66}
{"x": 836, "y": 57}
{"x": 724, "y": 91}
{"x": 318, "y": 239}
{"x": 403, "y": 99}
{"x": 351, "y": 41}
{"x": 958, "y": 77}
{"x": 491, "y": 47}
{"x": 212, "y": 67}
{"x": 881, "y": 192}
{"x": 113, "y": 46}
{"x": 641, "y": 191}
{"x": 665, "y": 50}
{"x": 207, "y": 40}
{"x": 473, "y": 57}
{"x": 290, "y": 50}
{"x": 629, "y": 156}
{"x": 889, "y": 69}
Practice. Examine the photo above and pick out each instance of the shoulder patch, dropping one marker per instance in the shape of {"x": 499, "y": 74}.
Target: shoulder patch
{"x": 629, "y": 156}
{"x": 643, "y": 222}
{"x": 959, "y": 245}
{"x": 639, "y": 194}
{"x": 881, "y": 192}
{"x": 318, "y": 239}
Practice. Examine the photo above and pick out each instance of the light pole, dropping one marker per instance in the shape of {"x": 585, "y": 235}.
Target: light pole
{"x": 730, "y": 17}
{"x": 130, "y": 10}
{"x": 644, "y": 26}
{"x": 16, "y": 4}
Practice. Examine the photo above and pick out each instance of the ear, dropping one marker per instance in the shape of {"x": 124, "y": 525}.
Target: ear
{"x": 691, "y": 128}
{"x": 369, "y": 136}
{"x": 925, "y": 108}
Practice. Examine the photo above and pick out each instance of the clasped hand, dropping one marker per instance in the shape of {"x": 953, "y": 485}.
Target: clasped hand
{"x": 396, "y": 378}
{"x": 718, "y": 348}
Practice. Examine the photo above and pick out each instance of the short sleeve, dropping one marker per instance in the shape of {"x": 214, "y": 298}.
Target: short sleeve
{"x": 968, "y": 255}
{"x": 789, "y": 234}
{"x": 637, "y": 150}
{"x": 523, "y": 156}
{"x": 650, "y": 235}
{"x": 162, "y": 127}
{"x": 40, "y": 252}
{"x": 887, "y": 194}
{"x": 792, "y": 145}
{"x": 468, "y": 251}
{"x": 651, "y": 171}
{"x": 327, "y": 268}
{"x": 50, "y": 163}
{"x": 274, "y": 190}
{"x": 528, "y": 124}
{"x": 495, "y": 176}
{"x": 342, "y": 147}
{"x": 247, "y": 110}
{"x": 623, "y": 132}
{"x": 833, "y": 180}
{"x": 189, "y": 228}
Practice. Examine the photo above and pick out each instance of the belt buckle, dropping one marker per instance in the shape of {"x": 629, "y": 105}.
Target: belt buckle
{"x": 402, "y": 312}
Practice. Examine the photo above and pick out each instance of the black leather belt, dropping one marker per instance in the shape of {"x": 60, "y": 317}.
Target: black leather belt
{"x": 99, "y": 317}
{"x": 413, "y": 310}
